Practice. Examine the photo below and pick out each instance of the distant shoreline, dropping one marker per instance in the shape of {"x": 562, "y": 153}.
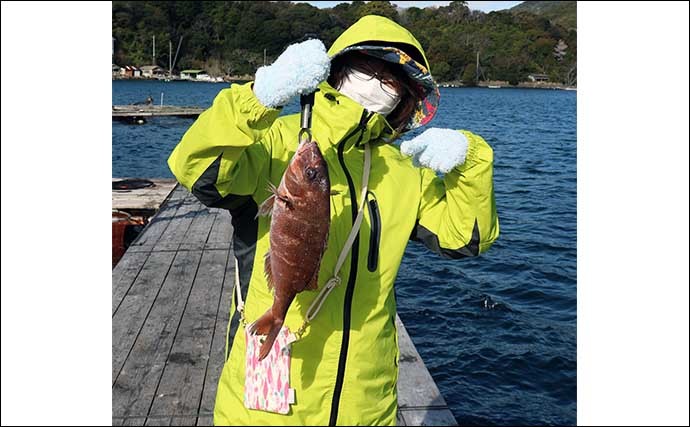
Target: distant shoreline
{"x": 496, "y": 84}
{"x": 491, "y": 84}
{"x": 231, "y": 79}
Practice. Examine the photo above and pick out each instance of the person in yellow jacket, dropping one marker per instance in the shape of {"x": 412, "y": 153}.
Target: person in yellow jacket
{"x": 373, "y": 85}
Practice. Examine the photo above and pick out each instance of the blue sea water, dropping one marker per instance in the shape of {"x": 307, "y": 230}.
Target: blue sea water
{"x": 497, "y": 332}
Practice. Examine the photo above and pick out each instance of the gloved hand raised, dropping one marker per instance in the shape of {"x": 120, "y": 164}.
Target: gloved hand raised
{"x": 438, "y": 149}
{"x": 299, "y": 69}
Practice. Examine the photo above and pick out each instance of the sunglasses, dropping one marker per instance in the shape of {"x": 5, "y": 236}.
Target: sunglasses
{"x": 390, "y": 84}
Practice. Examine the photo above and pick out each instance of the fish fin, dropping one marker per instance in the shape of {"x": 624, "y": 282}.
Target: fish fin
{"x": 266, "y": 207}
{"x": 286, "y": 199}
{"x": 272, "y": 188}
{"x": 269, "y": 326}
{"x": 267, "y": 269}
{"x": 313, "y": 283}
{"x": 263, "y": 324}
{"x": 275, "y": 195}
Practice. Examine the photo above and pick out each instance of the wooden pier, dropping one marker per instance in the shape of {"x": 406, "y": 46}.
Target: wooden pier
{"x": 170, "y": 303}
{"x": 131, "y": 112}
{"x": 142, "y": 199}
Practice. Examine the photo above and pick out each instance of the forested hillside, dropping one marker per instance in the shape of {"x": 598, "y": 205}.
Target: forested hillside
{"x": 230, "y": 37}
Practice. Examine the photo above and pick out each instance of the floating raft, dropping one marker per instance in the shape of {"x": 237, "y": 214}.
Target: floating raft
{"x": 142, "y": 199}
{"x": 129, "y": 112}
{"x": 170, "y": 304}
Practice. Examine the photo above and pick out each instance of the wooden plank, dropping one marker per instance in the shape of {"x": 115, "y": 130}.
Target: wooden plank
{"x": 161, "y": 220}
{"x": 221, "y": 232}
{"x": 428, "y": 417}
{"x": 134, "y": 421}
{"x": 124, "y": 275}
{"x": 155, "y": 180}
{"x": 201, "y": 226}
{"x": 199, "y": 230}
{"x": 158, "y": 421}
{"x": 182, "y": 382}
{"x": 148, "y": 198}
{"x": 183, "y": 421}
{"x": 188, "y": 208}
{"x": 137, "y": 382}
{"x": 148, "y": 202}
{"x": 419, "y": 401}
{"x": 179, "y": 113}
{"x": 178, "y": 225}
{"x": 400, "y": 420}
{"x": 416, "y": 387}
{"x": 129, "y": 317}
{"x": 139, "y": 248}
{"x": 204, "y": 421}
{"x": 179, "y": 193}
{"x": 217, "y": 354}
{"x": 124, "y": 111}
{"x": 166, "y": 246}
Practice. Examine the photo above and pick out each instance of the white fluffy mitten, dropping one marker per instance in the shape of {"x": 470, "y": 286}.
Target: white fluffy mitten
{"x": 299, "y": 69}
{"x": 438, "y": 149}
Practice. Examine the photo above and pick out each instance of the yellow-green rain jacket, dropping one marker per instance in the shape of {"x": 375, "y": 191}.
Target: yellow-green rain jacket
{"x": 345, "y": 368}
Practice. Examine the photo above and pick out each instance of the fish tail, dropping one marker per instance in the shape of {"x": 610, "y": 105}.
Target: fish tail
{"x": 266, "y": 325}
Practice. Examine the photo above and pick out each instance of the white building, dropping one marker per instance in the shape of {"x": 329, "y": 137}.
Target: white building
{"x": 130, "y": 71}
{"x": 152, "y": 71}
{"x": 538, "y": 77}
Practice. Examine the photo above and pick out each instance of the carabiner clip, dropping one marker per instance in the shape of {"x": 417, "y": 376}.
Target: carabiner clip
{"x": 302, "y": 133}
{"x": 306, "y": 102}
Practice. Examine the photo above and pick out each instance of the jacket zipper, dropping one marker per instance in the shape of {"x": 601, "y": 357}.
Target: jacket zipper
{"x": 349, "y": 291}
{"x": 375, "y": 236}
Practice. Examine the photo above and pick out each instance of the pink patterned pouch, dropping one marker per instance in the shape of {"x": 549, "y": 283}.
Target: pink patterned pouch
{"x": 267, "y": 382}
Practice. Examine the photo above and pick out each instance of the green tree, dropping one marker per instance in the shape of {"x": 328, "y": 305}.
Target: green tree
{"x": 230, "y": 35}
{"x": 513, "y": 76}
{"x": 469, "y": 75}
{"x": 560, "y": 50}
{"x": 457, "y": 11}
{"x": 442, "y": 71}
{"x": 410, "y": 15}
{"x": 381, "y": 8}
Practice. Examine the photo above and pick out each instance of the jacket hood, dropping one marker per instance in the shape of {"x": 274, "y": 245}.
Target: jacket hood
{"x": 384, "y": 39}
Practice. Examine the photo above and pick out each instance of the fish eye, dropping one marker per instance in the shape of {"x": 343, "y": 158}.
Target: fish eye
{"x": 311, "y": 173}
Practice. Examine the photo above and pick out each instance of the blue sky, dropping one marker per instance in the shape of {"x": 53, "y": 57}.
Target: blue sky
{"x": 484, "y": 6}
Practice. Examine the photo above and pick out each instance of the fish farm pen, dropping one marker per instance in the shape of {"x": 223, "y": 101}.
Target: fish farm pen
{"x": 171, "y": 294}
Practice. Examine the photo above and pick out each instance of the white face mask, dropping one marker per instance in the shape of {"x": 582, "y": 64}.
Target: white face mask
{"x": 367, "y": 91}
